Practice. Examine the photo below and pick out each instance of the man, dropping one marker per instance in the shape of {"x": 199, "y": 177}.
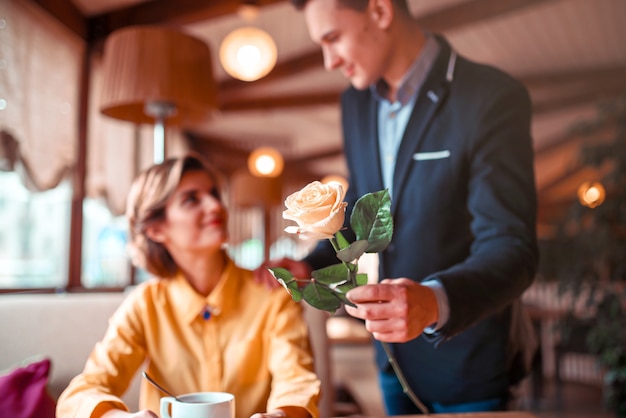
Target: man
{"x": 451, "y": 141}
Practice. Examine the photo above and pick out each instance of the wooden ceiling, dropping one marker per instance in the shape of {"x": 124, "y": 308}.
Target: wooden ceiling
{"x": 570, "y": 54}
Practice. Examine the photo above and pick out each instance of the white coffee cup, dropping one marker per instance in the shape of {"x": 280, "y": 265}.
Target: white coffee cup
{"x": 199, "y": 405}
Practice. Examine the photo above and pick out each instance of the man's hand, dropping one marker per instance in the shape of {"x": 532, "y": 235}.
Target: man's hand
{"x": 299, "y": 269}
{"x": 394, "y": 310}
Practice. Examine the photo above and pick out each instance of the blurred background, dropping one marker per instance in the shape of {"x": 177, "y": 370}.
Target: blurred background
{"x": 77, "y": 124}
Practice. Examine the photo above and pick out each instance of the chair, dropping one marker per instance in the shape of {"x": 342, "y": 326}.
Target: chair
{"x": 316, "y": 320}
{"x": 573, "y": 341}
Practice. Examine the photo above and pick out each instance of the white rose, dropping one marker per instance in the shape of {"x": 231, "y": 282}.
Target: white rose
{"x": 318, "y": 209}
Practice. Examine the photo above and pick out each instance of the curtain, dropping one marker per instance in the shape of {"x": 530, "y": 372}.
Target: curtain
{"x": 116, "y": 150}
{"x": 39, "y": 71}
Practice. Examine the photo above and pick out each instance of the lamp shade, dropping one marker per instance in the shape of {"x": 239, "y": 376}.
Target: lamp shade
{"x": 147, "y": 65}
{"x": 248, "y": 53}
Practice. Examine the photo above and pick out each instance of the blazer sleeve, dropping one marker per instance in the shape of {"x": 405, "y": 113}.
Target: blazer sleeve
{"x": 502, "y": 203}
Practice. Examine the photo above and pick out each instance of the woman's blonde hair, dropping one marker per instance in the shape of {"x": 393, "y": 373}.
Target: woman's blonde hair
{"x": 145, "y": 206}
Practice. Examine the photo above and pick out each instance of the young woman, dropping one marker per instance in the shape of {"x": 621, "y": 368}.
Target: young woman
{"x": 202, "y": 324}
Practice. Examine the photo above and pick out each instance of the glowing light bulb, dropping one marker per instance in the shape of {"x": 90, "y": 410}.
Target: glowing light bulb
{"x": 248, "y": 53}
{"x": 265, "y": 162}
{"x": 591, "y": 194}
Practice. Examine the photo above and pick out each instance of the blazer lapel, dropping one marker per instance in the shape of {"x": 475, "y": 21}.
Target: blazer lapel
{"x": 431, "y": 97}
{"x": 370, "y": 165}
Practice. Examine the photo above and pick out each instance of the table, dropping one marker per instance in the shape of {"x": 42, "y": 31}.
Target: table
{"x": 347, "y": 330}
{"x": 507, "y": 414}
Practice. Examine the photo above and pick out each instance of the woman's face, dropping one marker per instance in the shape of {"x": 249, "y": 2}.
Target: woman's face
{"x": 195, "y": 218}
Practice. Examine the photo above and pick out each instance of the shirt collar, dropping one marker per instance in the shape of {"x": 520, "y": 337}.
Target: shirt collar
{"x": 415, "y": 76}
{"x": 222, "y": 299}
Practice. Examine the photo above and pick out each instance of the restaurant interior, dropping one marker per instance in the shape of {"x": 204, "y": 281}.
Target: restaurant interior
{"x": 77, "y": 124}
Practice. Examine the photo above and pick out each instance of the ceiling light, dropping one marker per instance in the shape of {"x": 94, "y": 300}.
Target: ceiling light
{"x": 265, "y": 162}
{"x": 591, "y": 194}
{"x": 248, "y": 53}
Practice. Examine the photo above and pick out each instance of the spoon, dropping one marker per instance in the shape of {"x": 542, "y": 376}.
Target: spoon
{"x": 161, "y": 388}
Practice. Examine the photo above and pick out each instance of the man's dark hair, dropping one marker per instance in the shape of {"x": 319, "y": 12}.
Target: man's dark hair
{"x": 359, "y": 5}
{"x": 351, "y": 4}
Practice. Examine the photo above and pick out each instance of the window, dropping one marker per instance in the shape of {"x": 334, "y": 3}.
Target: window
{"x": 34, "y": 232}
{"x": 104, "y": 259}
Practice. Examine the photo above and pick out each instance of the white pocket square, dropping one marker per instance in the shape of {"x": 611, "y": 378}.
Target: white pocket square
{"x": 437, "y": 155}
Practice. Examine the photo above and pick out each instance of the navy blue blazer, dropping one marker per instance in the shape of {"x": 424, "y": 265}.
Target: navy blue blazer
{"x": 464, "y": 210}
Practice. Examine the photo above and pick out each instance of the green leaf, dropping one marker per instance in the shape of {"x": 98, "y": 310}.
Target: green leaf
{"x": 280, "y": 273}
{"x": 341, "y": 291}
{"x": 371, "y": 220}
{"x": 330, "y": 275}
{"x": 286, "y": 279}
{"x": 341, "y": 240}
{"x": 361, "y": 279}
{"x": 353, "y": 251}
{"x": 321, "y": 297}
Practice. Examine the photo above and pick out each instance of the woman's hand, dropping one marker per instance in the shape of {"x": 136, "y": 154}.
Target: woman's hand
{"x": 285, "y": 412}
{"x": 299, "y": 269}
{"x": 118, "y": 413}
{"x": 276, "y": 414}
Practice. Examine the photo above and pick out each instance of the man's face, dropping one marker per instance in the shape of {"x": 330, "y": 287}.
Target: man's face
{"x": 352, "y": 41}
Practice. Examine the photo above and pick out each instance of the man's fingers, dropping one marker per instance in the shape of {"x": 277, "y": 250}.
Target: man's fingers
{"x": 379, "y": 310}
{"x": 370, "y": 293}
{"x": 388, "y": 330}
{"x": 391, "y": 337}
{"x": 385, "y": 291}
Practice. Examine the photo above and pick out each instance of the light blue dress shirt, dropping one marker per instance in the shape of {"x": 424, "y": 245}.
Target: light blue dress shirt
{"x": 392, "y": 120}
{"x": 394, "y": 116}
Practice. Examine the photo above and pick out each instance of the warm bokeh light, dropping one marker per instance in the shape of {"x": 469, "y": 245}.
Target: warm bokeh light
{"x": 337, "y": 179}
{"x": 265, "y": 162}
{"x": 591, "y": 194}
{"x": 248, "y": 53}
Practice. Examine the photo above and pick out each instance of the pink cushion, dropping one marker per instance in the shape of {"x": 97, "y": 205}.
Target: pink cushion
{"x": 23, "y": 392}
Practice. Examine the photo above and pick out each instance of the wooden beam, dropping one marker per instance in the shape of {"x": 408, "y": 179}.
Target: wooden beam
{"x": 330, "y": 152}
{"x": 591, "y": 94}
{"x": 590, "y": 132}
{"x": 449, "y": 18}
{"x": 572, "y": 171}
{"x": 591, "y": 76}
{"x": 471, "y": 12}
{"x": 591, "y": 86}
{"x": 291, "y": 101}
{"x": 212, "y": 145}
{"x": 67, "y": 13}
{"x": 177, "y": 12}
{"x": 575, "y": 87}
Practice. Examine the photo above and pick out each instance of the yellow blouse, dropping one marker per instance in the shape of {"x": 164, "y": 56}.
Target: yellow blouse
{"x": 255, "y": 345}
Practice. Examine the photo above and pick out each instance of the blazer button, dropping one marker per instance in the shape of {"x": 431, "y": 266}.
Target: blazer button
{"x": 391, "y": 248}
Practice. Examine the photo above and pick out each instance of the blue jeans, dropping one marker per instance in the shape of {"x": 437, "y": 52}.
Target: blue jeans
{"x": 397, "y": 403}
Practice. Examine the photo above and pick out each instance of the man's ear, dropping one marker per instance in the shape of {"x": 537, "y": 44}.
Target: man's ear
{"x": 382, "y": 12}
